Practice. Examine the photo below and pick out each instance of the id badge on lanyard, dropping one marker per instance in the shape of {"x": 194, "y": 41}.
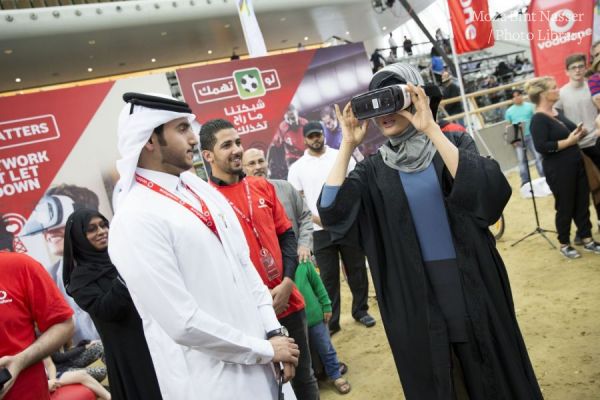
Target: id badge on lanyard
{"x": 266, "y": 258}
{"x": 268, "y": 262}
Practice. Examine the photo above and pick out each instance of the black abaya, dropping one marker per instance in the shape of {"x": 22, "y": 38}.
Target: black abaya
{"x": 93, "y": 282}
{"x": 371, "y": 211}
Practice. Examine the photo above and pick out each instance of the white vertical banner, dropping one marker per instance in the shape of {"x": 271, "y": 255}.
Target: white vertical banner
{"x": 254, "y": 38}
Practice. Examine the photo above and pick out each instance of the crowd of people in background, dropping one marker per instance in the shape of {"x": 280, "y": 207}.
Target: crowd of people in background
{"x": 129, "y": 294}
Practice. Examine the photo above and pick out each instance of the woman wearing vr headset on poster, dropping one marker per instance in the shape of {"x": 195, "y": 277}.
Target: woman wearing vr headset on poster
{"x": 420, "y": 208}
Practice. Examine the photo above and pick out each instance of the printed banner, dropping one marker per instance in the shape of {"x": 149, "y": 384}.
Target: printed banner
{"x": 558, "y": 28}
{"x": 269, "y": 99}
{"x": 37, "y": 133}
{"x": 57, "y": 153}
{"x": 471, "y": 24}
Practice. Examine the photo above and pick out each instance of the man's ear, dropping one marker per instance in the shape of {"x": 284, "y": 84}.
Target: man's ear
{"x": 208, "y": 156}
{"x": 150, "y": 144}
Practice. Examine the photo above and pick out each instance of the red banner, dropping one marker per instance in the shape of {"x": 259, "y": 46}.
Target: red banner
{"x": 557, "y": 29}
{"x": 270, "y": 99}
{"x": 248, "y": 92}
{"x": 471, "y": 24}
{"x": 37, "y": 133}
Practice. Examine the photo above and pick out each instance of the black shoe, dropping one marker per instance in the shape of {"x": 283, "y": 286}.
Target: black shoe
{"x": 343, "y": 368}
{"x": 334, "y": 329}
{"x": 577, "y": 241}
{"x": 367, "y": 320}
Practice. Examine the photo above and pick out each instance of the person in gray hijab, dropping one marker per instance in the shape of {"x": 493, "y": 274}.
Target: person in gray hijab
{"x": 420, "y": 208}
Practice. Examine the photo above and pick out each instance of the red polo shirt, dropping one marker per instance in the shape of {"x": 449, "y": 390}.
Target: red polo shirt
{"x": 27, "y": 296}
{"x": 270, "y": 220}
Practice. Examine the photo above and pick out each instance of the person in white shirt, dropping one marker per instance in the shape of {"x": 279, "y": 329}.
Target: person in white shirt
{"x": 208, "y": 319}
{"x": 308, "y": 175}
{"x": 393, "y": 46}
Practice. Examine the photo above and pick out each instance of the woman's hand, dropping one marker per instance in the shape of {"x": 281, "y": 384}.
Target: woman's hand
{"x": 576, "y": 135}
{"x": 422, "y": 119}
{"x": 353, "y": 131}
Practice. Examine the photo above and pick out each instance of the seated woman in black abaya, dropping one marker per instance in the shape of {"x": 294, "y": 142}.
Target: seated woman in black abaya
{"x": 93, "y": 281}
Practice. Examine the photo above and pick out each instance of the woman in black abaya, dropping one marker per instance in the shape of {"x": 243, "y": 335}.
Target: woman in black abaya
{"x": 92, "y": 280}
{"x": 420, "y": 208}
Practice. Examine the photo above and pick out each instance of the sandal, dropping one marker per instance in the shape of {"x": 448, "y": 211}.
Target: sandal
{"x": 342, "y": 385}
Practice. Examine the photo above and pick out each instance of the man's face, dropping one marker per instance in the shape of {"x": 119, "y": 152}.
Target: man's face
{"x": 517, "y": 98}
{"x": 226, "y": 156}
{"x": 576, "y": 71}
{"x": 291, "y": 118}
{"x": 55, "y": 238}
{"x": 330, "y": 122}
{"x": 255, "y": 163}
{"x": 176, "y": 146}
{"x": 315, "y": 141}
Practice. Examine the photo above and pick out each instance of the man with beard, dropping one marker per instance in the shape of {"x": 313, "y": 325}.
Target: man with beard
{"x": 268, "y": 231}
{"x": 289, "y": 139}
{"x": 308, "y": 175}
{"x": 207, "y": 316}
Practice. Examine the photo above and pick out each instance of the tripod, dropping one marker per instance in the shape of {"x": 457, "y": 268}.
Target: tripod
{"x": 519, "y": 132}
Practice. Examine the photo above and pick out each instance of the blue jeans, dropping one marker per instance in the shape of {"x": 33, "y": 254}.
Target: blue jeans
{"x": 321, "y": 342}
{"x": 531, "y": 154}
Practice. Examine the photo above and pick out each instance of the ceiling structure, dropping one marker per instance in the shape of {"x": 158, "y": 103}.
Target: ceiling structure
{"x": 50, "y": 45}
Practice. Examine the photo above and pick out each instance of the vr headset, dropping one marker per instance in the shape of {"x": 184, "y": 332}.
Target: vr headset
{"x": 51, "y": 212}
{"x": 390, "y": 99}
{"x": 382, "y": 101}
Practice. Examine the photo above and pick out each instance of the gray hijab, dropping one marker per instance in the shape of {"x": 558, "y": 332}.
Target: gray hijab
{"x": 409, "y": 151}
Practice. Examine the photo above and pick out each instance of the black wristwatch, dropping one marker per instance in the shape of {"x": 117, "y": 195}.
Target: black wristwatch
{"x": 278, "y": 332}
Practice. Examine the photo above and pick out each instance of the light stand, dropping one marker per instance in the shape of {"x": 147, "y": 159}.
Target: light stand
{"x": 539, "y": 230}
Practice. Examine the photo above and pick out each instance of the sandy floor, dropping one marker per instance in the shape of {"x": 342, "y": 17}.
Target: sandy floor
{"x": 557, "y": 303}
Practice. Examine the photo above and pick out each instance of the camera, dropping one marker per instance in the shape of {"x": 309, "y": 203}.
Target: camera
{"x": 382, "y": 101}
{"x": 4, "y": 377}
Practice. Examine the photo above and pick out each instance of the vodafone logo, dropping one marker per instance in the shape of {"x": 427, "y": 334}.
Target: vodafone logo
{"x": 562, "y": 20}
{"x": 3, "y": 297}
{"x": 14, "y": 223}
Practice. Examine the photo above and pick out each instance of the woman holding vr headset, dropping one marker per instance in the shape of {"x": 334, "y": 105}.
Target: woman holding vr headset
{"x": 420, "y": 208}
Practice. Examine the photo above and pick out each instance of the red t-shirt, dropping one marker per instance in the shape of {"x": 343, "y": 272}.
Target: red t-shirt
{"x": 27, "y": 296}
{"x": 270, "y": 220}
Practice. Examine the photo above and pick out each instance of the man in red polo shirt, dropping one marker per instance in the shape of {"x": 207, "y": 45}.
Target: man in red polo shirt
{"x": 269, "y": 235}
{"x": 28, "y": 297}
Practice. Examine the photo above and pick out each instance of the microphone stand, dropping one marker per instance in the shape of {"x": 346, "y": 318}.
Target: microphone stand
{"x": 538, "y": 229}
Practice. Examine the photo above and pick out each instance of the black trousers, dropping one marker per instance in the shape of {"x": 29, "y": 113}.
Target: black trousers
{"x": 304, "y": 383}
{"x": 327, "y": 255}
{"x": 593, "y": 152}
{"x": 569, "y": 185}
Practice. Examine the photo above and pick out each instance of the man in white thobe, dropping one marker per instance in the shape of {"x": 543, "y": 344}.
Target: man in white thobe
{"x": 179, "y": 247}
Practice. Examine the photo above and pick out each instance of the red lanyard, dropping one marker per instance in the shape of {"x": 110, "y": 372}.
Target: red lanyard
{"x": 249, "y": 221}
{"x": 205, "y": 217}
